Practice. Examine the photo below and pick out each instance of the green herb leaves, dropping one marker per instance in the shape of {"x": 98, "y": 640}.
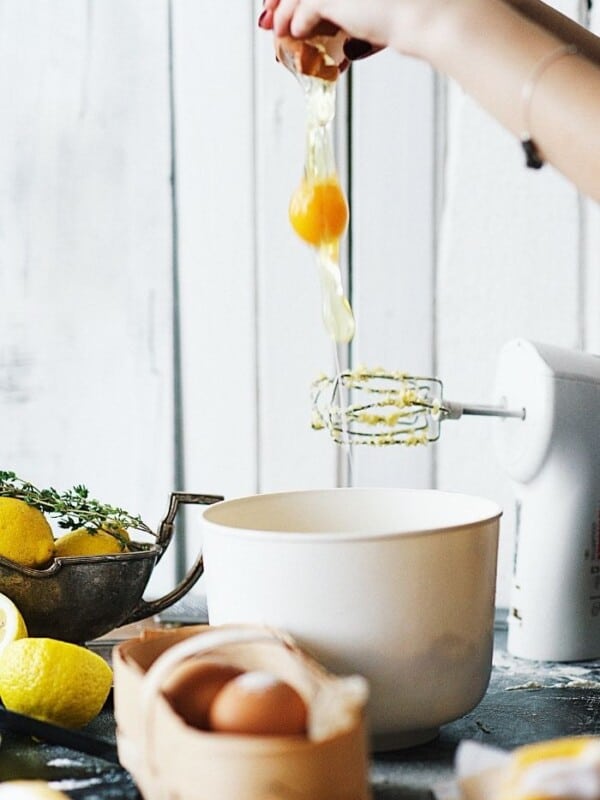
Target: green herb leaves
{"x": 71, "y": 509}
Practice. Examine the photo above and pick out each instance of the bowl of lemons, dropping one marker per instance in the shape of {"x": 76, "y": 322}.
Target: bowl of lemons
{"x": 90, "y": 577}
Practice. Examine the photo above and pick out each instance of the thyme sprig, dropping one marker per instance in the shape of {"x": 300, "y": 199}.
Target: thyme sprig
{"x": 71, "y": 509}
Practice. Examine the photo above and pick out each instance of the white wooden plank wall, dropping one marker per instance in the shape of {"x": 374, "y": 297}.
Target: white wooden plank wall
{"x": 214, "y": 151}
{"x": 161, "y": 322}
{"x": 393, "y": 207}
{"x": 214, "y": 252}
{"x": 591, "y": 238}
{"x": 85, "y": 249}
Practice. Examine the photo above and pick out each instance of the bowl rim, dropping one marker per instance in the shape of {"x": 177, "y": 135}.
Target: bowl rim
{"x": 492, "y": 514}
{"x": 60, "y": 562}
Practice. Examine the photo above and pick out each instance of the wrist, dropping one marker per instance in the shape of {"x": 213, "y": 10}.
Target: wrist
{"x": 446, "y": 27}
{"x": 428, "y": 28}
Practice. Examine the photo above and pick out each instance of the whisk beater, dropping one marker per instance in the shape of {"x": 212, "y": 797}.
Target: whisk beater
{"x": 378, "y": 407}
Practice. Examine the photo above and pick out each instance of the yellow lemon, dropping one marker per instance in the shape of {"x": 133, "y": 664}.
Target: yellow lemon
{"x": 82, "y": 542}
{"x": 54, "y": 681}
{"x": 535, "y": 768}
{"x": 12, "y": 624}
{"x": 114, "y": 527}
{"x": 564, "y": 747}
{"x": 29, "y": 790}
{"x": 25, "y": 535}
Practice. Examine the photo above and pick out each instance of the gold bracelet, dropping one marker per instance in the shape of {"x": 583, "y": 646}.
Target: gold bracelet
{"x": 532, "y": 155}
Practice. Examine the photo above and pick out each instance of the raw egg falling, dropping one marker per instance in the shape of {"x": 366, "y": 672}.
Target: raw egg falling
{"x": 318, "y": 209}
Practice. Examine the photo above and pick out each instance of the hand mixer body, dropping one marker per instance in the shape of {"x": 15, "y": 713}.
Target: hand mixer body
{"x": 553, "y": 458}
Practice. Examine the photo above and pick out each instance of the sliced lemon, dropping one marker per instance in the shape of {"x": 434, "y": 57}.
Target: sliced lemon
{"x": 12, "y": 624}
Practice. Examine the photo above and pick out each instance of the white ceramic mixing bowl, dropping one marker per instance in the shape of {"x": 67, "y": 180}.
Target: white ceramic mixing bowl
{"x": 395, "y": 584}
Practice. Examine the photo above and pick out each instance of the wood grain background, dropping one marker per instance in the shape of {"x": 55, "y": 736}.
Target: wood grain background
{"x": 159, "y": 322}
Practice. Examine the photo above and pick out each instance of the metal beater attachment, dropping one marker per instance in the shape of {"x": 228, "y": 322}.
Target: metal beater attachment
{"x": 377, "y": 407}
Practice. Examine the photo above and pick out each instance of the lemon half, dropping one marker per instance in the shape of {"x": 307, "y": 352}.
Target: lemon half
{"x": 12, "y": 624}
{"x": 29, "y": 790}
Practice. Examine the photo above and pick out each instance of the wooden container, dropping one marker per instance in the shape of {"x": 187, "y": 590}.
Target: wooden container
{"x": 169, "y": 759}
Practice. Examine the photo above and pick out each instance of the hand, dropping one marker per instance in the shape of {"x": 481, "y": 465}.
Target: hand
{"x": 371, "y": 24}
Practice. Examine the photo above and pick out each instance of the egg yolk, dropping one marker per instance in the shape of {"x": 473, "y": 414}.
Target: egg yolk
{"x": 318, "y": 211}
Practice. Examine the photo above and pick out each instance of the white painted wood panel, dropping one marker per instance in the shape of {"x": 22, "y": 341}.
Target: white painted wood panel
{"x": 215, "y": 251}
{"x": 393, "y": 239}
{"x": 509, "y": 266}
{"x": 85, "y": 249}
{"x": 591, "y": 275}
{"x": 591, "y": 248}
{"x": 214, "y": 191}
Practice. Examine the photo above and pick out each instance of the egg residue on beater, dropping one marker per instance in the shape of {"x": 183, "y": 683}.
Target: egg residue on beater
{"x": 385, "y": 407}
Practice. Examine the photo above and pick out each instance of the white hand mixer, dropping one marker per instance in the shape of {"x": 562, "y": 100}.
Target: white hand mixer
{"x": 548, "y": 441}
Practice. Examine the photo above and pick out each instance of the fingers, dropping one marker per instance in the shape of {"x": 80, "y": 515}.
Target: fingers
{"x": 265, "y": 21}
{"x": 305, "y": 19}
{"x": 299, "y": 18}
{"x": 282, "y": 17}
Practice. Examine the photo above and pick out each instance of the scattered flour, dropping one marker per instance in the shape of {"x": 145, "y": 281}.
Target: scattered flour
{"x": 543, "y": 675}
{"x": 529, "y": 685}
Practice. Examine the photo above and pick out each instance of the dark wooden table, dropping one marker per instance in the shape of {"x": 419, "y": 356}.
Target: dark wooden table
{"x": 525, "y": 702}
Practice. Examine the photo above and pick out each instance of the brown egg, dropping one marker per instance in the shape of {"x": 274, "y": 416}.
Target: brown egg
{"x": 191, "y": 688}
{"x": 258, "y": 703}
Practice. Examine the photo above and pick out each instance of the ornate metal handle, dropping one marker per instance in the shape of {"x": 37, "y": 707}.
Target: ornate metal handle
{"x": 165, "y": 533}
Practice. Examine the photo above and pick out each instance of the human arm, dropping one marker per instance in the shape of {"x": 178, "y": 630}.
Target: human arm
{"x": 563, "y": 113}
{"x": 560, "y": 25}
{"x": 491, "y": 48}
